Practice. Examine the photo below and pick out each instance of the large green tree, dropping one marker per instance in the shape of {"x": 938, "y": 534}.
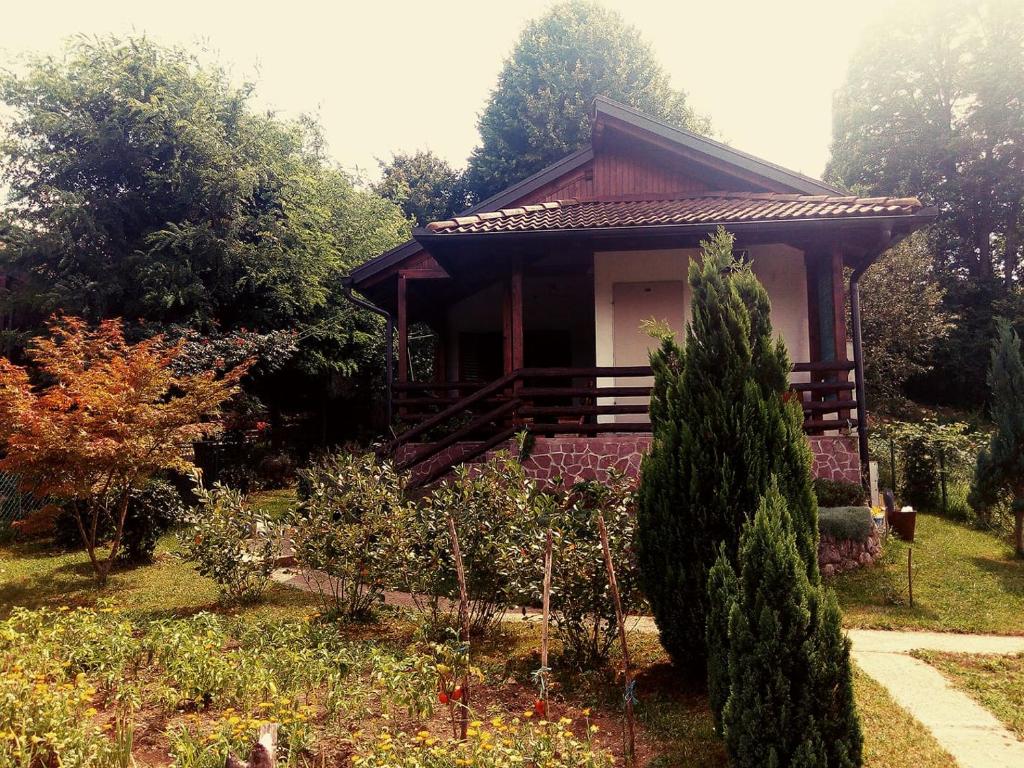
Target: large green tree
{"x": 904, "y": 317}
{"x": 142, "y": 183}
{"x": 539, "y": 110}
{"x": 724, "y": 425}
{"x": 931, "y": 106}
{"x": 424, "y": 185}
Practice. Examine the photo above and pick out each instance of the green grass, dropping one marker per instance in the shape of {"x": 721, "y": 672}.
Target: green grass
{"x": 892, "y": 738}
{"x": 996, "y": 682}
{"x": 965, "y": 580}
{"x": 275, "y": 503}
{"x": 32, "y": 575}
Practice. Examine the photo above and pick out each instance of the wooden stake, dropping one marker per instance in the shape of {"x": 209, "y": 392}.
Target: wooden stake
{"x": 546, "y": 602}
{"x": 626, "y": 665}
{"x": 910, "y": 575}
{"x": 463, "y": 620}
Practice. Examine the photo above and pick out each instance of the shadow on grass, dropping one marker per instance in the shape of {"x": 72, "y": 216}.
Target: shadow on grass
{"x": 1009, "y": 570}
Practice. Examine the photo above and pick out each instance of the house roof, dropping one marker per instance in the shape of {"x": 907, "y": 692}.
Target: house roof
{"x": 707, "y": 208}
{"x": 613, "y": 113}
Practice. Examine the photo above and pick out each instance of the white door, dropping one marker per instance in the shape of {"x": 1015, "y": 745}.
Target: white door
{"x": 633, "y": 303}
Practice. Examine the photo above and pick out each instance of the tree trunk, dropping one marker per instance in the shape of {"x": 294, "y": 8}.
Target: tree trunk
{"x": 1012, "y": 239}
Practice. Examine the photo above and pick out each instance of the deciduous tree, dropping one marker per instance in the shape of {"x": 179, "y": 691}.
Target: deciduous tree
{"x": 105, "y": 418}
{"x": 423, "y": 185}
{"x": 539, "y": 110}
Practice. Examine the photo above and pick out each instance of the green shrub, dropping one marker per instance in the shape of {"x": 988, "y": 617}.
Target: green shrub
{"x": 152, "y": 510}
{"x": 494, "y": 506}
{"x": 838, "y": 493}
{"x": 581, "y": 604}
{"x": 790, "y": 686}
{"x": 842, "y": 523}
{"x": 232, "y": 542}
{"x": 349, "y": 535}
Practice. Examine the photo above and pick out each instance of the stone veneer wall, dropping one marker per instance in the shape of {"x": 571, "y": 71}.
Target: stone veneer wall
{"x": 839, "y": 555}
{"x": 591, "y": 458}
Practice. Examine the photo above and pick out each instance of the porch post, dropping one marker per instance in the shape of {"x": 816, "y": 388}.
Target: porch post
{"x": 440, "y": 352}
{"x": 512, "y": 321}
{"x": 839, "y": 318}
{"x": 403, "y": 331}
{"x": 516, "y": 288}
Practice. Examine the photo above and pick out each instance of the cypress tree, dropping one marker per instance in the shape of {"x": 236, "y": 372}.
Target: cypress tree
{"x": 790, "y": 698}
{"x": 1000, "y": 467}
{"x": 722, "y": 585}
{"x": 723, "y": 424}
{"x": 768, "y": 718}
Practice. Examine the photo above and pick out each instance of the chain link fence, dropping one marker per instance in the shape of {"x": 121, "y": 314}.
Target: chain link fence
{"x": 15, "y": 504}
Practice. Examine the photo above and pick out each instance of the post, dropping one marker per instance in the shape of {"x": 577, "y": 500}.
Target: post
{"x": 516, "y": 299}
{"x": 910, "y": 575}
{"x": 621, "y": 619}
{"x": 546, "y": 610}
{"x": 858, "y": 374}
{"x": 463, "y": 621}
{"x": 403, "y": 330}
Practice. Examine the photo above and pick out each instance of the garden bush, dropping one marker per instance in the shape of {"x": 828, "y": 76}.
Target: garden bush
{"x": 853, "y": 523}
{"x": 581, "y": 603}
{"x": 232, "y": 542}
{"x": 494, "y": 505}
{"x": 152, "y": 511}
{"x": 350, "y": 534}
{"x": 838, "y": 493}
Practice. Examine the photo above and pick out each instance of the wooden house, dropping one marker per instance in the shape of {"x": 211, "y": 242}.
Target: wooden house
{"x": 536, "y": 296}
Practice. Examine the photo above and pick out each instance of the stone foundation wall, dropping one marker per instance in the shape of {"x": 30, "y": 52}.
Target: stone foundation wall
{"x": 591, "y": 458}
{"x": 840, "y": 555}
{"x": 836, "y": 457}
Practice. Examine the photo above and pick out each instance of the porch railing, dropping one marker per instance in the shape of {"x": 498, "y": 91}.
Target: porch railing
{"x": 474, "y": 417}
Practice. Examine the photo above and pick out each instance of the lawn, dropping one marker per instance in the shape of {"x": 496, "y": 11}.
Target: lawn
{"x": 674, "y": 724}
{"x": 996, "y": 682}
{"x": 965, "y": 580}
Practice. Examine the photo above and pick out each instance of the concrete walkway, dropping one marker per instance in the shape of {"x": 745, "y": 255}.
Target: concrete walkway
{"x": 964, "y": 728}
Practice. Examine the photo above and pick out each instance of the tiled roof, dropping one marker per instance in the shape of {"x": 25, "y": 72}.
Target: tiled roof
{"x": 708, "y": 208}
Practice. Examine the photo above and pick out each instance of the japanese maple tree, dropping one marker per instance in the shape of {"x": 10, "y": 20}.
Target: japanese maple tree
{"x": 104, "y": 418}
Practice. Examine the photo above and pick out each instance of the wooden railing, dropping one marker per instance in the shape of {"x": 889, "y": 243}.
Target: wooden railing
{"x": 567, "y": 401}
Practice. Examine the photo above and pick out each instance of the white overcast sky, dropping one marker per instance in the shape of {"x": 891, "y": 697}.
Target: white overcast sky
{"x": 390, "y": 75}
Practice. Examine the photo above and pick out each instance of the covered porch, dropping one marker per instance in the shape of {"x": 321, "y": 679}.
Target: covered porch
{"x": 536, "y": 319}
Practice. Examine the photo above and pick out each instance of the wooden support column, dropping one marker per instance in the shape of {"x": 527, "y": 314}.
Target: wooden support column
{"x": 440, "y": 352}
{"x": 506, "y": 328}
{"x": 838, "y": 304}
{"x": 839, "y": 317}
{"x": 403, "y": 330}
{"x": 516, "y": 298}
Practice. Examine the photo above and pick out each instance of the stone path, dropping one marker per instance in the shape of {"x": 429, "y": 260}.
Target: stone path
{"x": 964, "y": 728}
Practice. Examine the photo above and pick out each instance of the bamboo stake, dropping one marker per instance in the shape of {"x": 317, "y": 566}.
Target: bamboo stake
{"x": 546, "y": 602}
{"x": 463, "y": 620}
{"x": 626, "y": 665}
{"x": 910, "y": 575}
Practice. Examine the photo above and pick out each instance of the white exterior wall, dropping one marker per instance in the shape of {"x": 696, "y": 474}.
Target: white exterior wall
{"x": 779, "y": 267}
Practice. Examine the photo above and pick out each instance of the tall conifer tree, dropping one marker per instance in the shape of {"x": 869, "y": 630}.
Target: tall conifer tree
{"x": 724, "y": 424}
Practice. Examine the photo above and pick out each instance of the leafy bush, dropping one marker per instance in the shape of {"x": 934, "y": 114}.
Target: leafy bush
{"x": 581, "y": 602}
{"x": 838, "y": 493}
{"x": 231, "y": 542}
{"x": 854, "y": 523}
{"x": 495, "y": 744}
{"x": 927, "y": 462}
{"x": 352, "y": 529}
{"x": 494, "y": 506}
{"x": 152, "y": 510}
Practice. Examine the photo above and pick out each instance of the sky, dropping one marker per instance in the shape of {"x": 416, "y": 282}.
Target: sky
{"x": 390, "y": 75}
